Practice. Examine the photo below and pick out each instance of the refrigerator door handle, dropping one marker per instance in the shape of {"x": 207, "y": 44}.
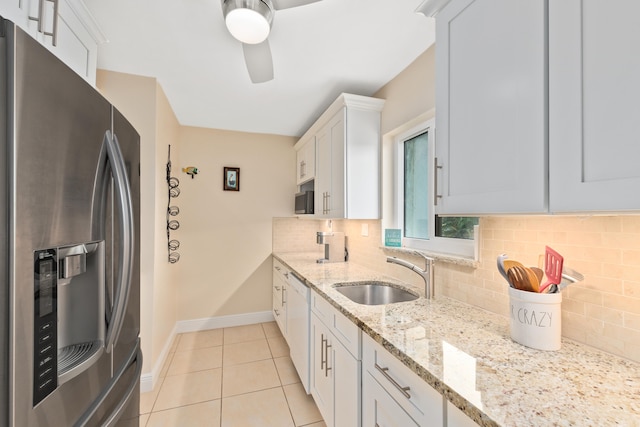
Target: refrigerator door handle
{"x": 134, "y": 357}
{"x": 127, "y": 247}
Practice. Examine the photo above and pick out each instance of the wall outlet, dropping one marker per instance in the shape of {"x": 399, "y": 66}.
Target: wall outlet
{"x": 364, "y": 231}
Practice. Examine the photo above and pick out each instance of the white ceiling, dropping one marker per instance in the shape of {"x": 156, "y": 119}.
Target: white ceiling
{"x": 319, "y": 51}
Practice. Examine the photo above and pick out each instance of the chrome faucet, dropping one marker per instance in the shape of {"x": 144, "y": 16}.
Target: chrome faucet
{"x": 426, "y": 274}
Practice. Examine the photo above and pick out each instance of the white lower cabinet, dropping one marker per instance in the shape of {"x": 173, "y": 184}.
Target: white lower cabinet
{"x": 335, "y": 370}
{"x": 378, "y": 407}
{"x": 457, "y": 418}
{"x": 393, "y": 395}
{"x": 298, "y": 328}
{"x": 279, "y": 291}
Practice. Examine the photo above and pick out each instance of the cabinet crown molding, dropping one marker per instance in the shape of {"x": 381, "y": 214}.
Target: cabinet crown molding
{"x": 88, "y": 21}
{"x": 430, "y": 8}
{"x": 356, "y": 102}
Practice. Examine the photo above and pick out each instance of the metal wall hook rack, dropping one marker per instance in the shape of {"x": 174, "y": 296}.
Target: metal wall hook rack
{"x": 172, "y": 211}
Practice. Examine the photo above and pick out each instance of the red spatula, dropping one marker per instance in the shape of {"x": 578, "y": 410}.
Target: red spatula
{"x": 552, "y": 268}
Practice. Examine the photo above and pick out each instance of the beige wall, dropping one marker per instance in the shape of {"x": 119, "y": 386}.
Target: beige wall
{"x": 142, "y": 101}
{"x": 226, "y": 236}
{"x": 602, "y": 311}
{"x": 410, "y": 94}
{"x": 165, "y": 274}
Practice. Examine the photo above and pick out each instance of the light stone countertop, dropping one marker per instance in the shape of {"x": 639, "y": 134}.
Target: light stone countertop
{"x": 466, "y": 353}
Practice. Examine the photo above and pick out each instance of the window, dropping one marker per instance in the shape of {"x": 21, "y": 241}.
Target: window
{"x": 415, "y": 212}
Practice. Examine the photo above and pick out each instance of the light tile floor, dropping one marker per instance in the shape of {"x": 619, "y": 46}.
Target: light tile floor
{"x": 231, "y": 377}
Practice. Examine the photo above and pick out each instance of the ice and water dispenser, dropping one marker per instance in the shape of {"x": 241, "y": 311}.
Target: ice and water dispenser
{"x": 69, "y": 313}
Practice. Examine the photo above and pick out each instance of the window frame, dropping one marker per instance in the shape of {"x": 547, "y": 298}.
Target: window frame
{"x": 453, "y": 246}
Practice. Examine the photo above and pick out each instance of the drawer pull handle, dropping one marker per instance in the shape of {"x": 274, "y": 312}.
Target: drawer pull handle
{"x": 403, "y": 390}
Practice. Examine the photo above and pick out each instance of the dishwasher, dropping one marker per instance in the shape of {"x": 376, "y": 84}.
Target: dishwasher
{"x": 298, "y": 327}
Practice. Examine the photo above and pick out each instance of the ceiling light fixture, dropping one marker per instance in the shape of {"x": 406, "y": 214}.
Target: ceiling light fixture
{"x": 248, "y": 20}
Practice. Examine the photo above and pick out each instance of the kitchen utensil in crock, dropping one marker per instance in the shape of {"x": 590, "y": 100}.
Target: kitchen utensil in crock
{"x": 552, "y": 268}
{"x": 503, "y": 272}
{"x": 539, "y": 273}
{"x": 523, "y": 278}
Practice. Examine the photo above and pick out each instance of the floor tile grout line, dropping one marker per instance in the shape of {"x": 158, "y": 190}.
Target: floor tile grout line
{"x": 222, "y": 398}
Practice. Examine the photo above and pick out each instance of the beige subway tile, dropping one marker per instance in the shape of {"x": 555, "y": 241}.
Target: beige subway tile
{"x": 631, "y": 289}
{"x": 621, "y": 240}
{"x": 514, "y": 247}
{"x": 606, "y": 343}
{"x": 621, "y": 333}
{"x": 524, "y": 235}
{"x": 623, "y": 303}
{"x": 631, "y": 257}
{"x": 600, "y": 284}
{"x": 560, "y": 237}
{"x": 537, "y": 223}
{"x": 599, "y": 254}
{"x": 632, "y": 351}
{"x": 608, "y": 315}
{"x": 579, "y": 293}
{"x": 589, "y": 326}
{"x": 630, "y": 272}
{"x": 632, "y": 321}
{"x": 584, "y": 238}
{"x": 573, "y": 306}
{"x": 631, "y": 224}
{"x": 613, "y": 271}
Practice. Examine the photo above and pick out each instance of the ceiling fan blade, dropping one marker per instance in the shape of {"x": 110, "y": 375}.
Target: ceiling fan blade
{"x": 259, "y": 61}
{"x": 286, "y": 4}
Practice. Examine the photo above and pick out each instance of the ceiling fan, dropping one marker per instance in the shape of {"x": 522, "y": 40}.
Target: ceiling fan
{"x": 249, "y": 21}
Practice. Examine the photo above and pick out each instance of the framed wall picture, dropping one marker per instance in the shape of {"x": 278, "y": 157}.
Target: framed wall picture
{"x": 231, "y": 179}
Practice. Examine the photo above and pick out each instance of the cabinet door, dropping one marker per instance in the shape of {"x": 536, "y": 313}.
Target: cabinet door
{"x": 322, "y": 372}
{"x": 279, "y": 297}
{"x": 330, "y": 184}
{"x": 75, "y": 45}
{"x": 379, "y": 408}
{"x": 593, "y": 105}
{"x": 347, "y": 400}
{"x": 491, "y": 128}
{"x": 323, "y": 173}
{"x": 457, "y": 418}
{"x": 306, "y": 162}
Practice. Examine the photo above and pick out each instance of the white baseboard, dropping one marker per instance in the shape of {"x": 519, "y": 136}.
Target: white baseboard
{"x": 207, "y": 323}
{"x": 148, "y": 379}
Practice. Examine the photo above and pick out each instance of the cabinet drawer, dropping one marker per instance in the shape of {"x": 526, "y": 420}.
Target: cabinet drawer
{"x": 421, "y": 401}
{"x": 279, "y": 270}
{"x": 344, "y": 329}
{"x": 379, "y": 408}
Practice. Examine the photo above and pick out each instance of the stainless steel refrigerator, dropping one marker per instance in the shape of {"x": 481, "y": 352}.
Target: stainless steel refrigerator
{"x": 69, "y": 255}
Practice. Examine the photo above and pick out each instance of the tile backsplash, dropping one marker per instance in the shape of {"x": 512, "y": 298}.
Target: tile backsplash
{"x": 603, "y": 311}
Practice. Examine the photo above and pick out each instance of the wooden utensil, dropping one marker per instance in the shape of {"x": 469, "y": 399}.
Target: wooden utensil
{"x": 523, "y": 278}
{"x": 539, "y": 273}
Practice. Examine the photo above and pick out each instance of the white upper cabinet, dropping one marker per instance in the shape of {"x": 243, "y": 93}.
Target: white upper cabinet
{"x": 536, "y": 107}
{"x": 594, "y": 88}
{"x": 347, "y": 174}
{"x": 306, "y": 161}
{"x": 491, "y": 107}
{"x": 65, "y": 27}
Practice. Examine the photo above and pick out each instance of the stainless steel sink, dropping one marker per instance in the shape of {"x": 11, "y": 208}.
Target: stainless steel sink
{"x": 374, "y": 293}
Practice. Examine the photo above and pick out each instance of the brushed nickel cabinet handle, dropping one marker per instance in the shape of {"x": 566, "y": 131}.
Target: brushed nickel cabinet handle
{"x": 326, "y": 357}
{"x": 54, "y": 32}
{"x": 322, "y": 343}
{"x": 436, "y": 196}
{"x": 403, "y": 390}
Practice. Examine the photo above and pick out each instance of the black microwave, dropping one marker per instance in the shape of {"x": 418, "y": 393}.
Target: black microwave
{"x": 304, "y": 202}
